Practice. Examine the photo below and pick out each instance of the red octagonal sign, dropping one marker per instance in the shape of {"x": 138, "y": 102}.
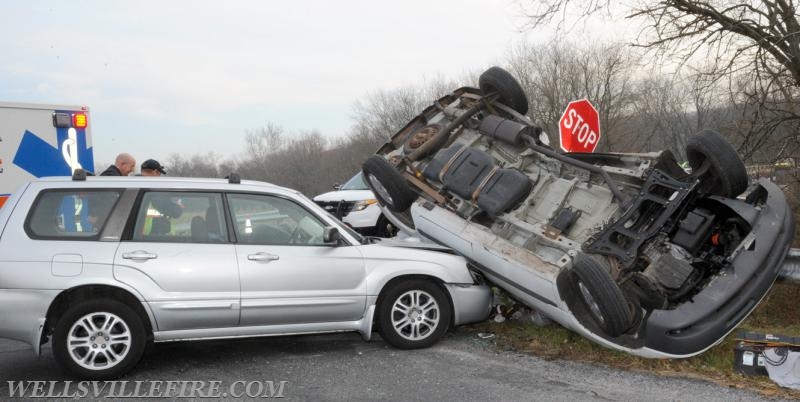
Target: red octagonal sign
{"x": 579, "y": 127}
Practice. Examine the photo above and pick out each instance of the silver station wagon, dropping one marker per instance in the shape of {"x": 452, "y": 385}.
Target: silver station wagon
{"x": 100, "y": 266}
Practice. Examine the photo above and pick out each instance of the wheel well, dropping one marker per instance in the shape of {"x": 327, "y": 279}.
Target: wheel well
{"x": 69, "y": 297}
{"x": 428, "y": 278}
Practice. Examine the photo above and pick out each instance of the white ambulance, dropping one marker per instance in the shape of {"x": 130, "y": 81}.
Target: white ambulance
{"x": 38, "y": 140}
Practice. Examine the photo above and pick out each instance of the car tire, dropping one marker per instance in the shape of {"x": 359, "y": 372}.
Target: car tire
{"x": 413, "y": 314}
{"x": 726, "y": 175}
{"x": 602, "y": 297}
{"x": 388, "y": 184}
{"x": 495, "y": 79}
{"x": 99, "y": 339}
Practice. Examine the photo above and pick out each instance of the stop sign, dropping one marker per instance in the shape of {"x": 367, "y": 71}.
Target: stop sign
{"x": 579, "y": 127}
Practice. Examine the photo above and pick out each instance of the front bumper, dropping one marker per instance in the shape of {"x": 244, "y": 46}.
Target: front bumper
{"x": 471, "y": 303}
{"x": 729, "y": 298}
{"x": 23, "y": 312}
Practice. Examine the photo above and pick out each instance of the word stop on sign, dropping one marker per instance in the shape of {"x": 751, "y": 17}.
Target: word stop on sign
{"x": 579, "y": 127}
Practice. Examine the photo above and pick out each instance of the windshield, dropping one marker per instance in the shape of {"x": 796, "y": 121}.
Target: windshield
{"x": 355, "y": 183}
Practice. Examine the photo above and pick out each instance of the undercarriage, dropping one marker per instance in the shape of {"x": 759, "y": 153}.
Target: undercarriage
{"x": 626, "y": 241}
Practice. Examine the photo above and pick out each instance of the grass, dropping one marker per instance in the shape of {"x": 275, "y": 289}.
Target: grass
{"x": 778, "y": 313}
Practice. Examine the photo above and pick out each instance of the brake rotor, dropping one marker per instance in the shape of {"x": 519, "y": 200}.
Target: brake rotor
{"x": 422, "y": 136}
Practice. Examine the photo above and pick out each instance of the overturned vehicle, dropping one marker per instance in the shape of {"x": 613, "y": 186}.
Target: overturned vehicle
{"x": 629, "y": 250}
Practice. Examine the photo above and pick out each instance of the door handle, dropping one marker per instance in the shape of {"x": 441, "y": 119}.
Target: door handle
{"x": 263, "y": 257}
{"x": 139, "y": 255}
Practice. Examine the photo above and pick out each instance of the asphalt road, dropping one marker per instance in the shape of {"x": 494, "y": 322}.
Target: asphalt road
{"x": 343, "y": 367}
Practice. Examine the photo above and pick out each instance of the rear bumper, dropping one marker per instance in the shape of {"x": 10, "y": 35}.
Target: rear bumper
{"x": 471, "y": 303}
{"x": 23, "y": 312}
{"x": 731, "y": 296}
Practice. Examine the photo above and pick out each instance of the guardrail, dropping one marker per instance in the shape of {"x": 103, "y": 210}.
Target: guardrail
{"x": 791, "y": 265}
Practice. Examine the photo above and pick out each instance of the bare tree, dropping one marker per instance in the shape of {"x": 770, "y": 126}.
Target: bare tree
{"x": 384, "y": 112}
{"x": 198, "y": 165}
{"x": 757, "y": 40}
{"x": 766, "y": 31}
{"x": 667, "y": 110}
{"x": 555, "y": 74}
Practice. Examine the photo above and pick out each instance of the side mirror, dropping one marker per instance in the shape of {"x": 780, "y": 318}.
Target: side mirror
{"x": 337, "y": 186}
{"x": 330, "y": 235}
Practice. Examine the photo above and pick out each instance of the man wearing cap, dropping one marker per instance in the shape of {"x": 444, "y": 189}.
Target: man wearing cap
{"x": 167, "y": 207}
{"x": 151, "y": 167}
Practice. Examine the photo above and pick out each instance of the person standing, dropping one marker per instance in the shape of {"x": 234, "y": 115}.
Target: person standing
{"x": 123, "y": 166}
{"x": 151, "y": 167}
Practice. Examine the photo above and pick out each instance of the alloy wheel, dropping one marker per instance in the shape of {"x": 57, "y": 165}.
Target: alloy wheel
{"x": 99, "y": 341}
{"x": 415, "y": 315}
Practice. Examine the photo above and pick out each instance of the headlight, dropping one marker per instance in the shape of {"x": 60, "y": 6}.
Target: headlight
{"x": 361, "y": 205}
{"x": 477, "y": 278}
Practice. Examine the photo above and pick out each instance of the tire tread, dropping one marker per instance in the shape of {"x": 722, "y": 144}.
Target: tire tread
{"x": 610, "y": 300}
{"x": 726, "y": 165}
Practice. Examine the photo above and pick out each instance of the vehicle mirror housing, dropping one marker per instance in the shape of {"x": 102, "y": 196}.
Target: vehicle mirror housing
{"x": 331, "y": 236}
{"x": 337, "y": 186}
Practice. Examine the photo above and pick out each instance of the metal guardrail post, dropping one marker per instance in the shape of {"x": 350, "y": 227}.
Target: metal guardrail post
{"x": 791, "y": 265}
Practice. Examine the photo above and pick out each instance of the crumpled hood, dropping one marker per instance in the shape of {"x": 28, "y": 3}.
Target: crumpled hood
{"x": 414, "y": 242}
{"x": 345, "y": 195}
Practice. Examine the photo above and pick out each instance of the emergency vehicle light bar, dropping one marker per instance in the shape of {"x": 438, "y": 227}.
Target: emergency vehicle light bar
{"x": 67, "y": 120}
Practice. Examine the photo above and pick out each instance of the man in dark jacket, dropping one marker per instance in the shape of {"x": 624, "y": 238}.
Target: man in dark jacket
{"x": 123, "y": 166}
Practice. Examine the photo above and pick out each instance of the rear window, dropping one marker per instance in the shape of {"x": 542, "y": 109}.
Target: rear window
{"x": 70, "y": 214}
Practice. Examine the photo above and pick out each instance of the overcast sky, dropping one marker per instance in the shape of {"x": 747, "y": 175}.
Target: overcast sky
{"x": 192, "y": 76}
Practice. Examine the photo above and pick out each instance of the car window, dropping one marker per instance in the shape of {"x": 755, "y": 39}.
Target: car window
{"x": 263, "y": 219}
{"x": 70, "y": 214}
{"x": 185, "y": 217}
{"x": 355, "y": 183}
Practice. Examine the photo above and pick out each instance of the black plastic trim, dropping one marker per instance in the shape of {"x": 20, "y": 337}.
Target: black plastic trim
{"x": 604, "y": 242}
{"x": 730, "y": 297}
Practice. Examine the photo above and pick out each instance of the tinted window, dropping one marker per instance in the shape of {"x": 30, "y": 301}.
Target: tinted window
{"x": 262, "y": 219}
{"x": 184, "y": 217}
{"x": 71, "y": 214}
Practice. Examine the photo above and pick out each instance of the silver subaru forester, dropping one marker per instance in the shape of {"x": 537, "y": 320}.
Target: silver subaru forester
{"x": 101, "y": 266}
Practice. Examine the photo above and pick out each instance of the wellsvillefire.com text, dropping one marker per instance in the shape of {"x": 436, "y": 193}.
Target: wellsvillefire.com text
{"x": 146, "y": 389}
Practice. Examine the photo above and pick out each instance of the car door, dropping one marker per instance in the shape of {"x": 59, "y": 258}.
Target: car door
{"x": 288, "y": 275}
{"x": 179, "y": 257}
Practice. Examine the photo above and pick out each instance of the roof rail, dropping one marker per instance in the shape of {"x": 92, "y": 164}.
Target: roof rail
{"x": 79, "y": 175}
{"x": 234, "y": 178}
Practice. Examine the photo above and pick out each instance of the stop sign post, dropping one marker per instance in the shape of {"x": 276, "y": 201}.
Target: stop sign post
{"x": 579, "y": 127}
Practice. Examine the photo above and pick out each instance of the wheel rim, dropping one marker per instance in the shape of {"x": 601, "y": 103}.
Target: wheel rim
{"x": 99, "y": 341}
{"x": 415, "y": 315}
{"x": 591, "y": 303}
{"x": 380, "y": 189}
